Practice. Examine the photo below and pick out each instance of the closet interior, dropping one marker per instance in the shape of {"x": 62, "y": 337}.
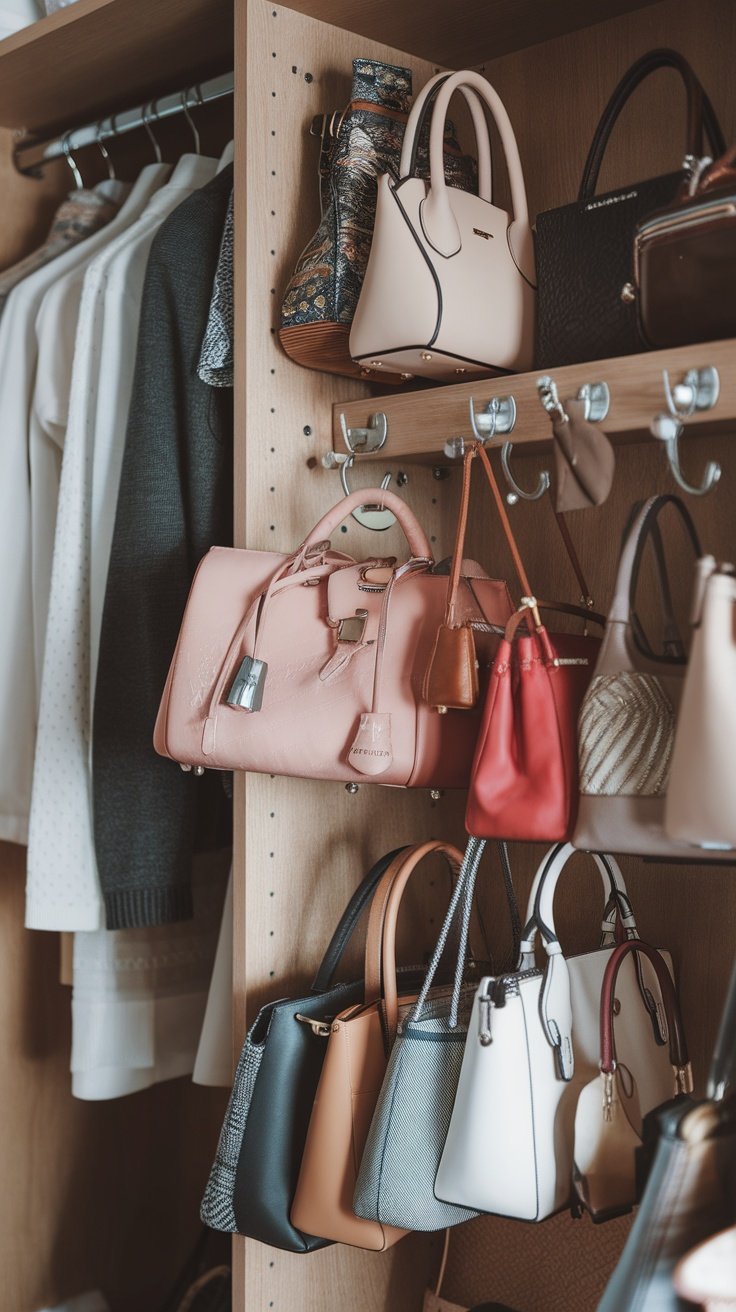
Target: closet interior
{"x": 108, "y": 1194}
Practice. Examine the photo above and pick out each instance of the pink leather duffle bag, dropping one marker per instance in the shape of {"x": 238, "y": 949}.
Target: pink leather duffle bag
{"x": 312, "y": 664}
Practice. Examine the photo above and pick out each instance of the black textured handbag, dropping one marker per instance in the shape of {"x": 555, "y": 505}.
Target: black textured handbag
{"x": 585, "y": 250}
{"x": 691, "y": 1191}
{"x": 259, "y": 1153}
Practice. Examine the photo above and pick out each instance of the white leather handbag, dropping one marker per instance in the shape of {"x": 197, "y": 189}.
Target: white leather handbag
{"x": 701, "y": 796}
{"x": 533, "y": 1042}
{"x": 449, "y": 291}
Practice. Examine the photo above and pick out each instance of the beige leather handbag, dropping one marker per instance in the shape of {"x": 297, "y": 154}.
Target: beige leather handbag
{"x": 701, "y": 797}
{"x": 449, "y": 290}
{"x": 358, "y": 1047}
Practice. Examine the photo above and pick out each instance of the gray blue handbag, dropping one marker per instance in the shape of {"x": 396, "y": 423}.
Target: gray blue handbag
{"x": 402, "y": 1154}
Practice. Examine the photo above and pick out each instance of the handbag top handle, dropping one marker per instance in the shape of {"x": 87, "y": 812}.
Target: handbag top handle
{"x": 678, "y": 1045}
{"x": 700, "y": 112}
{"x": 540, "y": 907}
{"x": 386, "y": 500}
{"x": 416, "y": 124}
{"x": 438, "y": 220}
{"x": 623, "y": 609}
{"x": 380, "y": 949}
{"x": 349, "y": 921}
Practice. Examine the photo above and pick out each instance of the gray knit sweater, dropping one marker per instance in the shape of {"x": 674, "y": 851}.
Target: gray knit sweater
{"x": 175, "y": 502}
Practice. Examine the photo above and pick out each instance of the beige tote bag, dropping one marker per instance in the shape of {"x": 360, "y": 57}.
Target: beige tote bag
{"x": 701, "y": 797}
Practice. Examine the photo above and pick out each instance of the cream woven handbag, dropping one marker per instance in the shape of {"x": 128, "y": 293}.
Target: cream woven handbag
{"x": 449, "y": 289}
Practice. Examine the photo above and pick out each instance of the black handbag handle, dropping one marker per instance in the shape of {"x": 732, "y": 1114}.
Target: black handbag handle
{"x": 674, "y": 653}
{"x": 700, "y": 113}
{"x": 349, "y": 920}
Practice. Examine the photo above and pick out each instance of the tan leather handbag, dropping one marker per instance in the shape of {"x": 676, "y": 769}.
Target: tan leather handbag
{"x": 701, "y": 797}
{"x": 358, "y": 1048}
{"x": 312, "y": 663}
{"x": 449, "y": 290}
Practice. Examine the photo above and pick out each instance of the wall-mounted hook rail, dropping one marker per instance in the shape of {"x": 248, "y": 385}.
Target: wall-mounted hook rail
{"x": 628, "y": 392}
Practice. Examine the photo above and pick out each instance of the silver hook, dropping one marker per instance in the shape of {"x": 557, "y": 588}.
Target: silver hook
{"x": 369, "y": 516}
{"x": 79, "y": 181}
{"x": 147, "y": 113}
{"x": 105, "y": 153}
{"x": 695, "y": 392}
{"x": 518, "y": 492}
{"x": 190, "y": 120}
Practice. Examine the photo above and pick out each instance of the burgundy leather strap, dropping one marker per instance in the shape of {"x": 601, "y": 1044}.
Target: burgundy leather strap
{"x": 678, "y": 1046}
{"x": 585, "y": 595}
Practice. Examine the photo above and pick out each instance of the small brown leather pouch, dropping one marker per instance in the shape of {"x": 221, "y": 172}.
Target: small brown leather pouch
{"x": 584, "y": 460}
{"x": 452, "y": 674}
{"x": 684, "y": 266}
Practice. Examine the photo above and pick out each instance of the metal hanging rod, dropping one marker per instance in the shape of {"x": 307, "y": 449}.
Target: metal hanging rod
{"x": 30, "y": 155}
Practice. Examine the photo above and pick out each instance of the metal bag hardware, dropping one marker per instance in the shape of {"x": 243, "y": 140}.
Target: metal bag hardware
{"x": 248, "y": 684}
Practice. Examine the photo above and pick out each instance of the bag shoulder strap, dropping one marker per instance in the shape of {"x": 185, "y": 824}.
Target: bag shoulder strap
{"x": 634, "y": 543}
{"x": 699, "y": 111}
{"x": 349, "y": 921}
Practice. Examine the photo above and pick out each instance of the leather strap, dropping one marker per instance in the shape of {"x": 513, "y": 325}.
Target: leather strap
{"x": 678, "y": 1046}
{"x": 388, "y": 946}
{"x": 438, "y": 220}
{"x": 624, "y": 604}
{"x": 380, "y": 966}
{"x": 699, "y": 112}
{"x": 349, "y": 921}
{"x": 416, "y": 123}
{"x": 386, "y": 500}
{"x": 376, "y": 926}
{"x": 457, "y": 555}
{"x": 585, "y": 594}
{"x": 547, "y": 879}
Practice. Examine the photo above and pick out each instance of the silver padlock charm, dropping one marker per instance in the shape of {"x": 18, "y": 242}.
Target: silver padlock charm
{"x": 247, "y": 688}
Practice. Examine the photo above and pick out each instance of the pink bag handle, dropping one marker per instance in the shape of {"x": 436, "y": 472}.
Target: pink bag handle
{"x": 378, "y": 496}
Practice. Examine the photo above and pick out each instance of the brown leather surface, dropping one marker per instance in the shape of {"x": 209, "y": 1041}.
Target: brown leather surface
{"x": 452, "y": 673}
{"x": 324, "y": 346}
{"x": 584, "y": 461}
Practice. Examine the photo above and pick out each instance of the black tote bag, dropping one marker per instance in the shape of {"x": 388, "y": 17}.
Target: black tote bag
{"x": 259, "y": 1153}
{"x": 585, "y": 250}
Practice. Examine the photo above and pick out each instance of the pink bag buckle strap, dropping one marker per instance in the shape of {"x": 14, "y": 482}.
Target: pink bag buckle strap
{"x": 678, "y": 1047}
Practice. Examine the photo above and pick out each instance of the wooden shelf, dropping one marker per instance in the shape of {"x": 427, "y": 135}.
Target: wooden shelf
{"x": 420, "y": 422}
{"x": 95, "y": 57}
{"x": 461, "y": 35}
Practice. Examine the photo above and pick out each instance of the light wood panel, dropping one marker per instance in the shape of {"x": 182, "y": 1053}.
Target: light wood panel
{"x": 98, "y": 56}
{"x": 303, "y": 846}
{"x": 95, "y": 1195}
{"x": 419, "y": 423}
{"x": 453, "y": 34}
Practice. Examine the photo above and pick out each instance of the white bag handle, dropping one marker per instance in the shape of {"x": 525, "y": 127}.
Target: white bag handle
{"x": 414, "y": 126}
{"x": 540, "y": 906}
{"x": 438, "y": 219}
